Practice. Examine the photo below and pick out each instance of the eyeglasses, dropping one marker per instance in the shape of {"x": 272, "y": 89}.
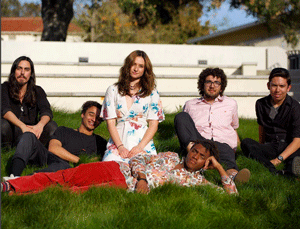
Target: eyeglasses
{"x": 215, "y": 83}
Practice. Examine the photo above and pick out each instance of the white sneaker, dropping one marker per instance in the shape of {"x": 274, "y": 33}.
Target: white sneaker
{"x": 11, "y": 177}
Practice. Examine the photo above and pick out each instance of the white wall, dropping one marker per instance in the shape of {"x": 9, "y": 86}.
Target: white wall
{"x": 158, "y": 53}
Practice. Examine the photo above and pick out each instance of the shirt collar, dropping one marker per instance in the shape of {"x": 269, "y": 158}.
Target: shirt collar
{"x": 218, "y": 99}
{"x": 287, "y": 101}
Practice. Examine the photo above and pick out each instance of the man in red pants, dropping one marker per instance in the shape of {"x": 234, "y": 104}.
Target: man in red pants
{"x": 143, "y": 173}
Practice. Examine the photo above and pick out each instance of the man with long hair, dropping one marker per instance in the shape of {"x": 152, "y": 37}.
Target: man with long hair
{"x": 24, "y": 105}
{"x": 213, "y": 116}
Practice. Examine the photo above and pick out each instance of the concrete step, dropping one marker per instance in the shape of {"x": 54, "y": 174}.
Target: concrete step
{"x": 165, "y": 83}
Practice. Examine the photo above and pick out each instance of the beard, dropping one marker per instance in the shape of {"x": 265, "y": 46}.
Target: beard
{"x": 22, "y": 82}
{"x": 210, "y": 96}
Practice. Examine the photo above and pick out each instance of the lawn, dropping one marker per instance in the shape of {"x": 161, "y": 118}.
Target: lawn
{"x": 267, "y": 201}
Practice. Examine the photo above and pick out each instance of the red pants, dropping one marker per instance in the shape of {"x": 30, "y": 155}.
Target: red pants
{"x": 77, "y": 179}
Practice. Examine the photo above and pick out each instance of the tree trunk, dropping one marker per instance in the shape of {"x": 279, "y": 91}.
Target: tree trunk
{"x": 56, "y": 15}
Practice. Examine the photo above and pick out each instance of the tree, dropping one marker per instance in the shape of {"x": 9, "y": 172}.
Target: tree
{"x": 280, "y": 15}
{"x": 31, "y": 10}
{"x": 143, "y": 21}
{"x": 13, "y": 8}
{"x": 10, "y": 8}
{"x": 57, "y": 15}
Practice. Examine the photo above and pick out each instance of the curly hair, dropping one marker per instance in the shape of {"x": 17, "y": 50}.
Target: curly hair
{"x": 209, "y": 146}
{"x": 215, "y": 72}
{"x": 14, "y": 87}
{"x": 280, "y": 72}
{"x": 147, "y": 81}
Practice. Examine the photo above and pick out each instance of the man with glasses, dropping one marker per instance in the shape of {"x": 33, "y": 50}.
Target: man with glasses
{"x": 213, "y": 116}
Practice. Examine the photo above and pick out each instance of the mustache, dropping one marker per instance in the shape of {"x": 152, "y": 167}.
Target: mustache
{"x": 21, "y": 76}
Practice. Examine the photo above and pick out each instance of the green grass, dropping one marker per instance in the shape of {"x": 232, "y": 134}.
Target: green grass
{"x": 267, "y": 201}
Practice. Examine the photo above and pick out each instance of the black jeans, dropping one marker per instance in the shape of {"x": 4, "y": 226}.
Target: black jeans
{"x": 11, "y": 134}
{"x": 31, "y": 150}
{"x": 186, "y": 131}
{"x": 264, "y": 153}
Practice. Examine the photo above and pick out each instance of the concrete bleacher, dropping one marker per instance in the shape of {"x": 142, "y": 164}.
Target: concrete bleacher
{"x": 69, "y": 82}
{"x": 68, "y": 85}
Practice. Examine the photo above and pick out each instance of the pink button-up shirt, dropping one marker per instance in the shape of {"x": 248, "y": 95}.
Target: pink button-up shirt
{"x": 218, "y": 120}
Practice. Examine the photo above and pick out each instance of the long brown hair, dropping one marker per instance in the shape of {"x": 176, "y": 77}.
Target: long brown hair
{"x": 147, "y": 81}
{"x": 14, "y": 87}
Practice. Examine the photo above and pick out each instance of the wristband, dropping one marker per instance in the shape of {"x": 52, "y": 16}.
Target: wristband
{"x": 144, "y": 179}
{"x": 119, "y": 146}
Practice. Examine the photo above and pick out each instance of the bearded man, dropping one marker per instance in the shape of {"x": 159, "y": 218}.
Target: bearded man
{"x": 24, "y": 105}
{"x": 213, "y": 116}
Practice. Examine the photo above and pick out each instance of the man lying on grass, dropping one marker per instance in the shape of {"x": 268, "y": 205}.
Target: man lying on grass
{"x": 143, "y": 173}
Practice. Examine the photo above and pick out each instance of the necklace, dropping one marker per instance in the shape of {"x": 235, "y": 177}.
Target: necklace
{"x": 132, "y": 87}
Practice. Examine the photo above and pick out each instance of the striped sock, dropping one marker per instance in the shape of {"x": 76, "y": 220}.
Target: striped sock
{"x": 5, "y": 187}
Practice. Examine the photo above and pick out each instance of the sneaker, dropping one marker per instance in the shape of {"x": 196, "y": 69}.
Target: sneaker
{"x": 296, "y": 166}
{"x": 11, "y": 177}
{"x": 243, "y": 176}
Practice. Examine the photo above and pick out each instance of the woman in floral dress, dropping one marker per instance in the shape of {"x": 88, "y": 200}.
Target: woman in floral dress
{"x": 129, "y": 106}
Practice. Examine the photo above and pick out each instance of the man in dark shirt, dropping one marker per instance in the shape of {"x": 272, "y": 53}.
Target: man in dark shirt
{"x": 278, "y": 116}
{"x": 24, "y": 105}
{"x": 65, "y": 146}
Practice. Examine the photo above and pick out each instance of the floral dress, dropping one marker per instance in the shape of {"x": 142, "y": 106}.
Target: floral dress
{"x": 132, "y": 123}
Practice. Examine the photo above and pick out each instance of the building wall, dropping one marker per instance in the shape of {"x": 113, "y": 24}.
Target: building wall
{"x": 158, "y": 53}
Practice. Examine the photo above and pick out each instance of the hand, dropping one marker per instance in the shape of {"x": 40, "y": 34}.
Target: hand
{"x": 26, "y": 128}
{"x": 142, "y": 187}
{"x": 37, "y": 130}
{"x": 275, "y": 162}
{"x": 134, "y": 151}
{"x": 94, "y": 159}
{"x": 123, "y": 152}
{"x": 211, "y": 163}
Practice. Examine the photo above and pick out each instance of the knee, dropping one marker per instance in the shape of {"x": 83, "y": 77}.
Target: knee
{"x": 182, "y": 116}
{"x": 50, "y": 128}
{"x": 28, "y": 137}
{"x": 246, "y": 142}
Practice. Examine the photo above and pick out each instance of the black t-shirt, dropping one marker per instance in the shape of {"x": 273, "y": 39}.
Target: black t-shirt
{"x": 78, "y": 143}
{"x": 285, "y": 125}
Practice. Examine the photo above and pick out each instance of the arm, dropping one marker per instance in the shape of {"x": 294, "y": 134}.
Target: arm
{"x": 228, "y": 184}
{"x": 138, "y": 166}
{"x": 112, "y": 129}
{"x": 153, "y": 126}
{"x": 11, "y": 117}
{"x": 44, "y": 111}
{"x": 289, "y": 150}
{"x": 261, "y": 134}
{"x": 38, "y": 128}
{"x": 55, "y": 147}
{"x": 142, "y": 184}
{"x": 238, "y": 138}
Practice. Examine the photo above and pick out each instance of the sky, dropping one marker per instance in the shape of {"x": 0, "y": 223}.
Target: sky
{"x": 223, "y": 18}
